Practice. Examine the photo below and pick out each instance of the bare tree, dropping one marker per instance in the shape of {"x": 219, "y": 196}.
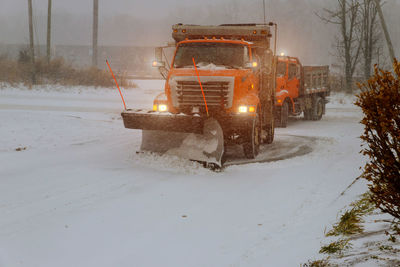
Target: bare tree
{"x": 371, "y": 34}
{"x": 385, "y": 30}
{"x": 348, "y": 43}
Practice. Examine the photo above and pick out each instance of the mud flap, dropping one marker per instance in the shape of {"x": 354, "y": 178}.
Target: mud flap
{"x": 207, "y": 147}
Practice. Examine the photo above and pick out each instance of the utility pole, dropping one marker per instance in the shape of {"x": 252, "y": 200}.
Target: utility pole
{"x": 385, "y": 30}
{"x": 32, "y": 49}
{"x": 95, "y": 31}
{"x": 264, "y": 11}
{"x": 48, "y": 31}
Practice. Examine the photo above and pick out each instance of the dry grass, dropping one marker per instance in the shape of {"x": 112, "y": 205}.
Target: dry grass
{"x": 56, "y": 72}
{"x": 349, "y": 224}
{"x": 317, "y": 263}
{"x": 350, "y": 221}
{"x": 336, "y": 247}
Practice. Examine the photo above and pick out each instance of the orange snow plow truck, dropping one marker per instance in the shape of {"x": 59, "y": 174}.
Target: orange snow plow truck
{"x": 300, "y": 89}
{"x": 219, "y": 89}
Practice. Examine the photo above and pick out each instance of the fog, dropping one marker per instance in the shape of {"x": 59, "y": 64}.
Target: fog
{"x": 148, "y": 23}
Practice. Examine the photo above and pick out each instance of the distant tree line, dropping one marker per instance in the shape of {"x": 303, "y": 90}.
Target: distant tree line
{"x": 358, "y": 44}
{"x": 56, "y": 71}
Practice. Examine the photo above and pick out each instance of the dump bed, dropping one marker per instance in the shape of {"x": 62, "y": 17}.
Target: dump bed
{"x": 316, "y": 78}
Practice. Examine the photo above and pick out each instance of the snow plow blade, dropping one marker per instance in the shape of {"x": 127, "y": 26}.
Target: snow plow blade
{"x": 191, "y": 137}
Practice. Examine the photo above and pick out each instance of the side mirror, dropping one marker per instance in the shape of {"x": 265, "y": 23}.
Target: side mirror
{"x": 158, "y": 51}
{"x": 158, "y": 64}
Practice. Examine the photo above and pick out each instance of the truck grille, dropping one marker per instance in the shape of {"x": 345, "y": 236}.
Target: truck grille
{"x": 216, "y": 93}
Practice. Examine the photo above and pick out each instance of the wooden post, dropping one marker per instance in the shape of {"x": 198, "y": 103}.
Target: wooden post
{"x": 385, "y": 30}
{"x": 95, "y": 31}
{"x": 48, "y": 31}
{"x": 32, "y": 48}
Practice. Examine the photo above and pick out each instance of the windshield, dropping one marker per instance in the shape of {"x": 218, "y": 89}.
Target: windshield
{"x": 219, "y": 54}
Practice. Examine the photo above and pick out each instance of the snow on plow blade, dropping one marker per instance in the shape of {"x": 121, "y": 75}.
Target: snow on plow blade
{"x": 184, "y": 136}
{"x": 207, "y": 147}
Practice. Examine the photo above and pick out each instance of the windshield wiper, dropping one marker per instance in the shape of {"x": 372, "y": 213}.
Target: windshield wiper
{"x": 184, "y": 66}
{"x": 232, "y": 66}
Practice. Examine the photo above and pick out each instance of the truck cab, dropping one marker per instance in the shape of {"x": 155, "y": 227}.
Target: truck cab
{"x": 228, "y": 77}
{"x": 288, "y": 82}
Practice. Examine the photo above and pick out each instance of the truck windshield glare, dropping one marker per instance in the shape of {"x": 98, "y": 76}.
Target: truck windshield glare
{"x": 219, "y": 54}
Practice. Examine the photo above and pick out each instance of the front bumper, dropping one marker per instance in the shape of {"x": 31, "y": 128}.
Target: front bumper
{"x": 151, "y": 120}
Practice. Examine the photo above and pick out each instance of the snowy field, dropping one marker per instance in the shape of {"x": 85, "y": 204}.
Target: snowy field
{"x": 77, "y": 194}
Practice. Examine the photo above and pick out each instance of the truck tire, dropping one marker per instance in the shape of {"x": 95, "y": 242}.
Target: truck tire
{"x": 318, "y": 109}
{"x": 269, "y": 124}
{"x": 252, "y": 139}
{"x": 269, "y": 133}
{"x": 283, "y": 115}
{"x": 307, "y": 114}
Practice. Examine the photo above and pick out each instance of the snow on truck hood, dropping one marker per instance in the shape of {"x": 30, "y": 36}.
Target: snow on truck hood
{"x": 211, "y": 66}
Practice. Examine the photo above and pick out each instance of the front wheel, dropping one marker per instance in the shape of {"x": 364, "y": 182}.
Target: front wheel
{"x": 270, "y": 132}
{"x": 252, "y": 139}
{"x": 282, "y": 115}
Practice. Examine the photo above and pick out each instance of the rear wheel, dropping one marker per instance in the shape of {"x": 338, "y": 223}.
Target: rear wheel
{"x": 318, "y": 109}
{"x": 252, "y": 139}
{"x": 307, "y": 114}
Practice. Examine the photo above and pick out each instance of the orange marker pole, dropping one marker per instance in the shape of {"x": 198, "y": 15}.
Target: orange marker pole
{"x": 123, "y": 101}
{"x": 202, "y": 91}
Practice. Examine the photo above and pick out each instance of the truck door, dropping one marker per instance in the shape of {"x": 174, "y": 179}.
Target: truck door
{"x": 293, "y": 83}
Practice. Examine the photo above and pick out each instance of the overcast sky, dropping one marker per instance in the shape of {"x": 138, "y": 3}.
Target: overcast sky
{"x": 121, "y": 18}
{"x": 138, "y": 8}
{"x": 148, "y": 23}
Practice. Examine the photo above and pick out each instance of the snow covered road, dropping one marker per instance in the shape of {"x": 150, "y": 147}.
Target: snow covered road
{"x": 79, "y": 195}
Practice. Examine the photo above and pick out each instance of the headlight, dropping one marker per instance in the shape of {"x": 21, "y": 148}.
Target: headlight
{"x": 245, "y": 109}
{"x": 162, "y": 108}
